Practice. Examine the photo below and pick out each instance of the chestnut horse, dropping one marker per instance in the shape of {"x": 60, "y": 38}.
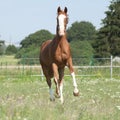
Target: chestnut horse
{"x": 55, "y": 55}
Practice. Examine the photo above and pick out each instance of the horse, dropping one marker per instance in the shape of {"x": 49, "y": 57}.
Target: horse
{"x": 55, "y": 55}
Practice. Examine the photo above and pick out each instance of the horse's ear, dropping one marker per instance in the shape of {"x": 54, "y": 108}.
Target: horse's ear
{"x": 59, "y": 9}
{"x": 65, "y": 10}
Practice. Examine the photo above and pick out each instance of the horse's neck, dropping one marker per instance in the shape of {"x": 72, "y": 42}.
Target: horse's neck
{"x": 60, "y": 41}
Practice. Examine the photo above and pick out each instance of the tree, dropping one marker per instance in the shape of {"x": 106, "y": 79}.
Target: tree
{"x": 108, "y": 42}
{"x": 81, "y": 31}
{"x": 11, "y": 49}
{"x": 2, "y": 47}
{"x": 30, "y": 46}
{"x": 81, "y": 49}
{"x": 36, "y": 38}
{"x": 80, "y": 36}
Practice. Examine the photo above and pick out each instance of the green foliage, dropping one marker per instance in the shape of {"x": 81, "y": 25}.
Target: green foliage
{"x": 2, "y": 47}
{"x": 11, "y": 49}
{"x": 36, "y": 38}
{"x": 81, "y": 49}
{"x": 101, "y": 46}
{"x": 30, "y": 52}
{"x": 108, "y": 42}
{"x": 81, "y": 35}
{"x": 81, "y": 31}
{"x": 30, "y": 46}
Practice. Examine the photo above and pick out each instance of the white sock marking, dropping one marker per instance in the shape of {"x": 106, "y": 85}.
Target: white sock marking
{"x": 74, "y": 83}
{"x": 61, "y": 92}
{"x": 51, "y": 94}
{"x": 74, "y": 80}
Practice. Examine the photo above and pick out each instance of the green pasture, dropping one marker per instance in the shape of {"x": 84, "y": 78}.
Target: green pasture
{"x": 27, "y": 98}
{"x": 8, "y": 60}
{"x": 17, "y": 71}
{"x": 9, "y": 66}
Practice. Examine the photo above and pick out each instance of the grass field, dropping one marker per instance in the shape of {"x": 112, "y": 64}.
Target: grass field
{"x": 28, "y": 99}
{"x": 8, "y": 60}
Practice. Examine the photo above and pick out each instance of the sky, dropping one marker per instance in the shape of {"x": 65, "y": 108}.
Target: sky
{"x": 19, "y": 18}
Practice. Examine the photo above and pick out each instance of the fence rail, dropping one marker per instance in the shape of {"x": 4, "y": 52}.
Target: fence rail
{"x": 104, "y": 67}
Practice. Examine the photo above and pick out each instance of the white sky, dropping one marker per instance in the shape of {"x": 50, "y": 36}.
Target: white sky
{"x": 19, "y": 18}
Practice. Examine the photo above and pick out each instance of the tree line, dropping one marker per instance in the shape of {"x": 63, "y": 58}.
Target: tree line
{"x": 83, "y": 37}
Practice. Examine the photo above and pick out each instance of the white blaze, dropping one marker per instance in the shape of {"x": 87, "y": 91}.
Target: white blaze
{"x": 61, "y": 24}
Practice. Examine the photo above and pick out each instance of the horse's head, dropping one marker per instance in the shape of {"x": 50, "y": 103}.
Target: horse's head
{"x": 62, "y": 20}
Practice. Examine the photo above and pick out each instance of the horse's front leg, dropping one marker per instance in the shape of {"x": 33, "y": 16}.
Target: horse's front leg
{"x": 56, "y": 79}
{"x": 61, "y": 75}
{"x": 70, "y": 66}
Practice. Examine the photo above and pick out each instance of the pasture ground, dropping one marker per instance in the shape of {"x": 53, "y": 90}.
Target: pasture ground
{"x": 27, "y": 98}
{"x": 8, "y": 59}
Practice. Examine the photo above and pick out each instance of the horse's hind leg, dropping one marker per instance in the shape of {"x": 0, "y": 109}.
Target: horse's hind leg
{"x": 46, "y": 73}
{"x": 52, "y": 98}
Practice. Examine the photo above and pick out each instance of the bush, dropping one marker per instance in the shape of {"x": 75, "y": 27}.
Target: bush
{"x": 11, "y": 49}
{"x": 81, "y": 49}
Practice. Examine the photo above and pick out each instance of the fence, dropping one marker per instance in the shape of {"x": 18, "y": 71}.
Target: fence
{"x": 95, "y": 67}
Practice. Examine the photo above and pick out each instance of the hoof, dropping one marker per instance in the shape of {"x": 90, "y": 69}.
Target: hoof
{"x": 52, "y": 99}
{"x": 62, "y": 102}
{"x": 76, "y": 92}
{"x": 57, "y": 96}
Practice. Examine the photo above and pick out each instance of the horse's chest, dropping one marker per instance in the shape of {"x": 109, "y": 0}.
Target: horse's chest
{"x": 61, "y": 54}
{"x": 61, "y": 57}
